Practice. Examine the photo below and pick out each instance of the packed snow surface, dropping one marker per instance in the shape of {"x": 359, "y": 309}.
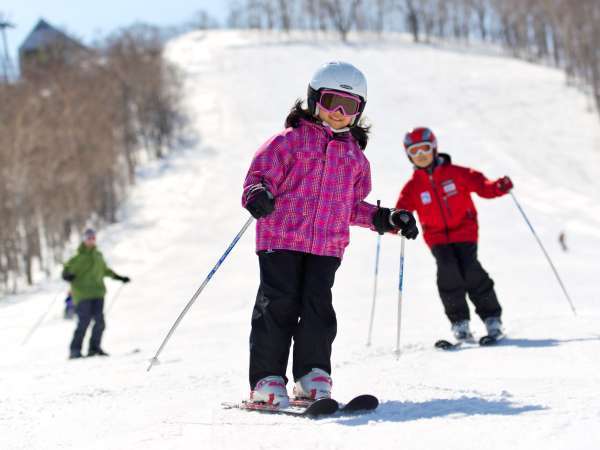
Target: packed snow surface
{"x": 538, "y": 390}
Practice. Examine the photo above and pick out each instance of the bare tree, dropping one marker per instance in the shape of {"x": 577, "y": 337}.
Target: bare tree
{"x": 342, "y": 15}
{"x": 65, "y": 131}
{"x": 481, "y": 10}
{"x": 412, "y": 19}
{"x": 203, "y": 21}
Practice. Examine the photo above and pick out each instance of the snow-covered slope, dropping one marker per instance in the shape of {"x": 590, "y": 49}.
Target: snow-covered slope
{"x": 538, "y": 390}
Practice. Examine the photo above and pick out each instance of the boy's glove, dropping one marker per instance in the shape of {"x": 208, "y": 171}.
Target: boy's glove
{"x": 123, "y": 279}
{"x": 68, "y": 276}
{"x": 504, "y": 184}
{"x": 406, "y": 222}
{"x": 260, "y": 201}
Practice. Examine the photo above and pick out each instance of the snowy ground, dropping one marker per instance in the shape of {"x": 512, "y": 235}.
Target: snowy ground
{"x": 538, "y": 390}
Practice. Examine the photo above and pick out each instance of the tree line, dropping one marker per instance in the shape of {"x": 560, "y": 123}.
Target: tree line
{"x": 72, "y": 133}
{"x": 565, "y": 33}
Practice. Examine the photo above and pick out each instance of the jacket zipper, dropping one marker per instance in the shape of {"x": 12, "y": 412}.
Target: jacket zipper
{"x": 439, "y": 202}
{"x": 447, "y": 206}
{"x": 323, "y": 164}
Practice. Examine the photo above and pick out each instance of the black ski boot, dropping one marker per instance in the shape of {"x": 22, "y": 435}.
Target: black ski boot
{"x": 494, "y": 327}
{"x": 462, "y": 331}
{"x": 96, "y": 352}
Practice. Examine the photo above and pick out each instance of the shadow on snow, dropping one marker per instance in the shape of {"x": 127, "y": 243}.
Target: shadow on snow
{"x": 534, "y": 343}
{"x": 397, "y": 411}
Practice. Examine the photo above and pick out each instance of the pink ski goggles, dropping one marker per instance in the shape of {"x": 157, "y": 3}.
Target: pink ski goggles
{"x": 347, "y": 104}
{"x": 419, "y": 147}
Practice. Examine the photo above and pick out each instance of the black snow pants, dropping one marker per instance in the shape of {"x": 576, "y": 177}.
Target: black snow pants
{"x": 293, "y": 301}
{"x": 86, "y": 311}
{"x": 458, "y": 273}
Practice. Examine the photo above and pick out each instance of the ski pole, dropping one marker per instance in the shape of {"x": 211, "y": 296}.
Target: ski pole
{"x": 115, "y": 297}
{"x": 374, "y": 284}
{"x": 545, "y": 253}
{"x": 154, "y": 360}
{"x": 400, "y": 297}
{"x": 40, "y": 320}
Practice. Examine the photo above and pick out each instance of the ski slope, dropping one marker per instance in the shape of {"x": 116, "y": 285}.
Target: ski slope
{"x": 539, "y": 390}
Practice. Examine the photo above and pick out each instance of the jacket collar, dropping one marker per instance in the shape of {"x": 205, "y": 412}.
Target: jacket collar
{"x": 84, "y": 249}
{"x": 440, "y": 160}
{"x": 323, "y": 128}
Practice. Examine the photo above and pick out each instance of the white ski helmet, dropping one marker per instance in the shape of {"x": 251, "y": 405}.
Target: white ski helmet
{"x": 338, "y": 76}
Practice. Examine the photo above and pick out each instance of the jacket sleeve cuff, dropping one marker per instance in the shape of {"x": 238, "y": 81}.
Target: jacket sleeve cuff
{"x": 363, "y": 215}
{"x": 250, "y": 190}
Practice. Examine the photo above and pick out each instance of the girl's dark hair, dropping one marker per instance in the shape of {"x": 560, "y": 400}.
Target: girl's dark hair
{"x": 360, "y": 131}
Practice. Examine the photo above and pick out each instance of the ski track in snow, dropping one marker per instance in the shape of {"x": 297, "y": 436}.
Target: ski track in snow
{"x": 537, "y": 389}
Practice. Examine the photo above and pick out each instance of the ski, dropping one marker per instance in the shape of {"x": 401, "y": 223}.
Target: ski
{"x": 484, "y": 341}
{"x": 360, "y": 403}
{"x": 311, "y": 408}
{"x": 443, "y": 344}
{"x": 490, "y": 339}
{"x": 318, "y": 408}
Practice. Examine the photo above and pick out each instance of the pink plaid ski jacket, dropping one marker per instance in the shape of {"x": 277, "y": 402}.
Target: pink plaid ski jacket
{"x": 319, "y": 181}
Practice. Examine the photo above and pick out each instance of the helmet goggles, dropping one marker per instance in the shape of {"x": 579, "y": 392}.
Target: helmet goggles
{"x": 331, "y": 101}
{"x": 420, "y": 147}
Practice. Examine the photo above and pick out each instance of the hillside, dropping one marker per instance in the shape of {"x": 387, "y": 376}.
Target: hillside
{"x": 501, "y": 116}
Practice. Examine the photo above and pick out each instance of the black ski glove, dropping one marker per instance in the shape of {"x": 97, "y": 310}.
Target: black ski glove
{"x": 123, "y": 279}
{"x": 68, "y": 276}
{"x": 260, "y": 203}
{"x": 406, "y": 222}
{"x": 386, "y": 219}
{"x": 381, "y": 220}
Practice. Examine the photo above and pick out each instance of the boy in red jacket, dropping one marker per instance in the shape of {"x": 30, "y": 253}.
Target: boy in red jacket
{"x": 440, "y": 192}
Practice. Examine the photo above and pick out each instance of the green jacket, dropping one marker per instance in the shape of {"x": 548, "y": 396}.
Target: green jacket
{"x": 89, "y": 268}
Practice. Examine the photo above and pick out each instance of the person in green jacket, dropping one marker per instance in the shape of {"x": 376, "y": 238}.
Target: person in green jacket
{"x": 86, "y": 271}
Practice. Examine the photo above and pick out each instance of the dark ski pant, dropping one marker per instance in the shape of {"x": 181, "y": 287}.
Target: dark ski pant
{"x": 86, "y": 311}
{"x": 293, "y": 301}
{"x": 459, "y": 272}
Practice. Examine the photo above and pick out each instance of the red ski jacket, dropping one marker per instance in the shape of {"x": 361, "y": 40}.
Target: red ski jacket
{"x": 442, "y": 199}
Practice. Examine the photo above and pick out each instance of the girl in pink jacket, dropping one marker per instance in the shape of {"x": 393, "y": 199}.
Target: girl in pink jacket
{"x": 306, "y": 186}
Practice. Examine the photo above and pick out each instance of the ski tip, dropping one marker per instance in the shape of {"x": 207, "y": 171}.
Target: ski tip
{"x": 322, "y": 407}
{"x": 490, "y": 340}
{"x": 446, "y": 345}
{"x": 368, "y": 398}
{"x": 487, "y": 340}
{"x": 364, "y": 402}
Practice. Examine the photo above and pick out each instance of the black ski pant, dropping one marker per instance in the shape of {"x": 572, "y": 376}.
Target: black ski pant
{"x": 86, "y": 311}
{"x": 293, "y": 301}
{"x": 459, "y": 272}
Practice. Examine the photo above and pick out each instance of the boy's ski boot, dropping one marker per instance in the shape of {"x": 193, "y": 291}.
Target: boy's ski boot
{"x": 494, "y": 328}
{"x": 270, "y": 390}
{"x": 462, "y": 331}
